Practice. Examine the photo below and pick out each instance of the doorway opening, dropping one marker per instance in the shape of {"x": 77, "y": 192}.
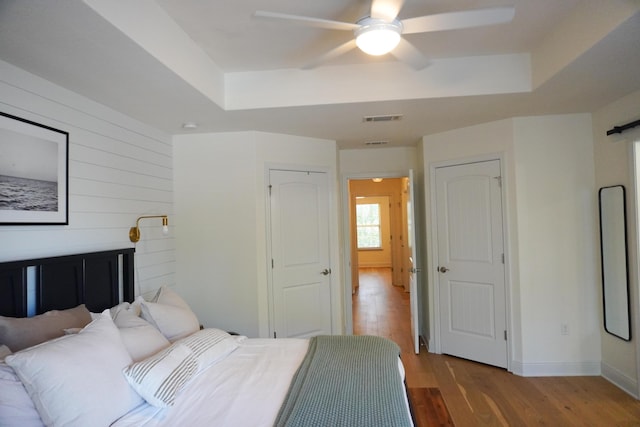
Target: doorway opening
{"x": 381, "y": 309}
{"x": 380, "y": 256}
{"x": 378, "y": 209}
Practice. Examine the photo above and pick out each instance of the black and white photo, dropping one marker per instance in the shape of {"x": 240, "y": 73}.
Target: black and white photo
{"x": 33, "y": 172}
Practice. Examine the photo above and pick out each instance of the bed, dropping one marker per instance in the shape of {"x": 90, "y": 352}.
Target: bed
{"x": 124, "y": 361}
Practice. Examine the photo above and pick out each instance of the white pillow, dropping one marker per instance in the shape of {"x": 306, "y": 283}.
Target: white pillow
{"x": 76, "y": 380}
{"x": 209, "y": 346}
{"x": 173, "y": 322}
{"x": 16, "y": 407}
{"x": 125, "y": 306}
{"x": 4, "y": 352}
{"x": 160, "y": 378}
{"x": 166, "y": 295}
{"x": 170, "y": 314}
{"x": 140, "y": 338}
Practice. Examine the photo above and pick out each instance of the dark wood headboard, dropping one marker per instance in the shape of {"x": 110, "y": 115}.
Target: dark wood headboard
{"x": 95, "y": 279}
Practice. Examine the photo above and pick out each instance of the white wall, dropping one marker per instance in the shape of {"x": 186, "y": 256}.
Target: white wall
{"x": 377, "y": 160}
{"x": 119, "y": 169}
{"x": 557, "y": 235}
{"x": 612, "y": 167}
{"x": 550, "y": 218}
{"x": 221, "y": 212}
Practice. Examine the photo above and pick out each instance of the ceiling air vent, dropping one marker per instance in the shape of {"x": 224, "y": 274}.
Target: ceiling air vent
{"x": 376, "y": 143}
{"x": 384, "y": 118}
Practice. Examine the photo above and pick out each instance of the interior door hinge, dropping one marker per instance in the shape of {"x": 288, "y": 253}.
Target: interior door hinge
{"x": 499, "y": 179}
{"x": 503, "y": 258}
{"x": 274, "y": 334}
{"x": 272, "y": 263}
{"x": 505, "y": 334}
{"x": 270, "y": 189}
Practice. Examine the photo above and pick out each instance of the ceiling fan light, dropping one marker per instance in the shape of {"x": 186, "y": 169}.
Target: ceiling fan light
{"x": 378, "y": 38}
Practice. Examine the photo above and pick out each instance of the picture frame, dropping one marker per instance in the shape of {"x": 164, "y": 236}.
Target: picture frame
{"x": 34, "y": 173}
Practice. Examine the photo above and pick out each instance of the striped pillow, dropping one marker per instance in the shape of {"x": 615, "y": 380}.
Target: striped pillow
{"x": 159, "y": 378}
{"x": 209, "y": 346}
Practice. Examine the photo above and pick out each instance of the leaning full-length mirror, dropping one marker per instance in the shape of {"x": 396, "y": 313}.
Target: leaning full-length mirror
{"x": 613, "y": 241}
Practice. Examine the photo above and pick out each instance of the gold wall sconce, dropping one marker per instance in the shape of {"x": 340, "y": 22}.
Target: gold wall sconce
{"x": 134, "y": 232}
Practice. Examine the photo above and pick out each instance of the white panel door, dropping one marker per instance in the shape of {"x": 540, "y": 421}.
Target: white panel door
{"x": 301, "y": 274}
{"x": 471, "y": 274}
{"x": 413, "y": 265}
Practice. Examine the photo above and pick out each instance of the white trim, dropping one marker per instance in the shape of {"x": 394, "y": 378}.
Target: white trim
{"x": 346, "y": 241}
{"x": 267, "y": 225}
{"x": 346, "y": 256}
{"x": 635, "y": 327}
{"x": 619, "y": 379}
{"x": 432, "y": 261}
{"x": 556, "y": 369}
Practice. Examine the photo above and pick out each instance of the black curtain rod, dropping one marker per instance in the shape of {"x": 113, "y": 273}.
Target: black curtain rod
{"x": 620, "y": 129}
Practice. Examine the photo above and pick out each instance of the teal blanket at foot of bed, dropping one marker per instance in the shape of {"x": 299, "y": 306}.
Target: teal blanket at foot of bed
{"x": 347, "y": 381}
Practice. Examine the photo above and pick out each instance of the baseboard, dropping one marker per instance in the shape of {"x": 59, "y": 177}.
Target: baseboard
{"x": 558, "y": 369}
{"x": 620, "y": 380}
{"x": 555, "y": 369}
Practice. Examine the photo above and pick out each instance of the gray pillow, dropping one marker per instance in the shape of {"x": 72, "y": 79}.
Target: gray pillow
{"x": 20, "y": 333}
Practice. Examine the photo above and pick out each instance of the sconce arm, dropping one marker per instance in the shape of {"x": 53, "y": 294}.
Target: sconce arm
{"x": 134, "y": 232}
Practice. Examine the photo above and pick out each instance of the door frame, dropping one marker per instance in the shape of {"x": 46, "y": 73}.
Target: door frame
{"x": 435, "y": 345}
{"x": 346, "y": 277}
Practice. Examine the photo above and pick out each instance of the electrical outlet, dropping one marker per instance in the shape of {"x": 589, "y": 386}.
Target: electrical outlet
{"x": 564, "y": 329}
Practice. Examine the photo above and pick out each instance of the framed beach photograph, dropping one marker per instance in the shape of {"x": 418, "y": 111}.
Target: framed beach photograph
{"x": 34, "y": 173}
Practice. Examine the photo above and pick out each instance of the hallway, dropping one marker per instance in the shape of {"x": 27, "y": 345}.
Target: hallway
{"x": 379, "y": 308}
{"x": 382, "y": 309}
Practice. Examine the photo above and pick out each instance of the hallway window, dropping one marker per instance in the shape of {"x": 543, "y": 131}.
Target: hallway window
{"x": 368, "y": 226}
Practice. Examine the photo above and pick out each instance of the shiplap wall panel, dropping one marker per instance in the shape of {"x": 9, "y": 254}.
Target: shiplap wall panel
{"x": 118, "y": 175}
{"x": 98, "y": 204}
{"x": 97, "y": 120}
{"x": 140, "y": 163}
{"x": 130, "y": 144}
{"x": 119, "y": 169}
{"x": 122, "y": 192}
{"x": 149, "y": 279}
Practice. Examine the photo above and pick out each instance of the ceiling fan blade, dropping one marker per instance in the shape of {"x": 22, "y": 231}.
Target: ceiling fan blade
{"x": 333, "y": 53}
{"x": 407, "y": 53}
{"x": 386, "y": 10}
{"x": 305, "y": 20}
{"x": 457, "y": 20}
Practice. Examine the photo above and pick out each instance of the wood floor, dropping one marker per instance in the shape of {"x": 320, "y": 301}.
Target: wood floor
{"x": 446, "y": 391}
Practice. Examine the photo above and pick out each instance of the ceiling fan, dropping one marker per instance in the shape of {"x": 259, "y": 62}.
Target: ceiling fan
{"x": 381, "y": 32}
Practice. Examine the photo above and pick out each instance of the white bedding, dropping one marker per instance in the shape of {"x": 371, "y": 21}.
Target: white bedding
{"x": 245, "y": 389}
{"x": 207, "y": 378}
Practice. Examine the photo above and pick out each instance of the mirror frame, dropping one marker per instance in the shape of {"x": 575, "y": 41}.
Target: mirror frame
{"x": 607, "y": 274}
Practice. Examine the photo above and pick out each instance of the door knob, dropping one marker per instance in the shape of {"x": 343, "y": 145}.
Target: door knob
{"x": 325, "y": 271}
{"x": 443, "y": 269}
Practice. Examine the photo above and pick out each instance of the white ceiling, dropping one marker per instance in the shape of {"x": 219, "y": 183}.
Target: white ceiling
{"x": 167, "y": 62}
